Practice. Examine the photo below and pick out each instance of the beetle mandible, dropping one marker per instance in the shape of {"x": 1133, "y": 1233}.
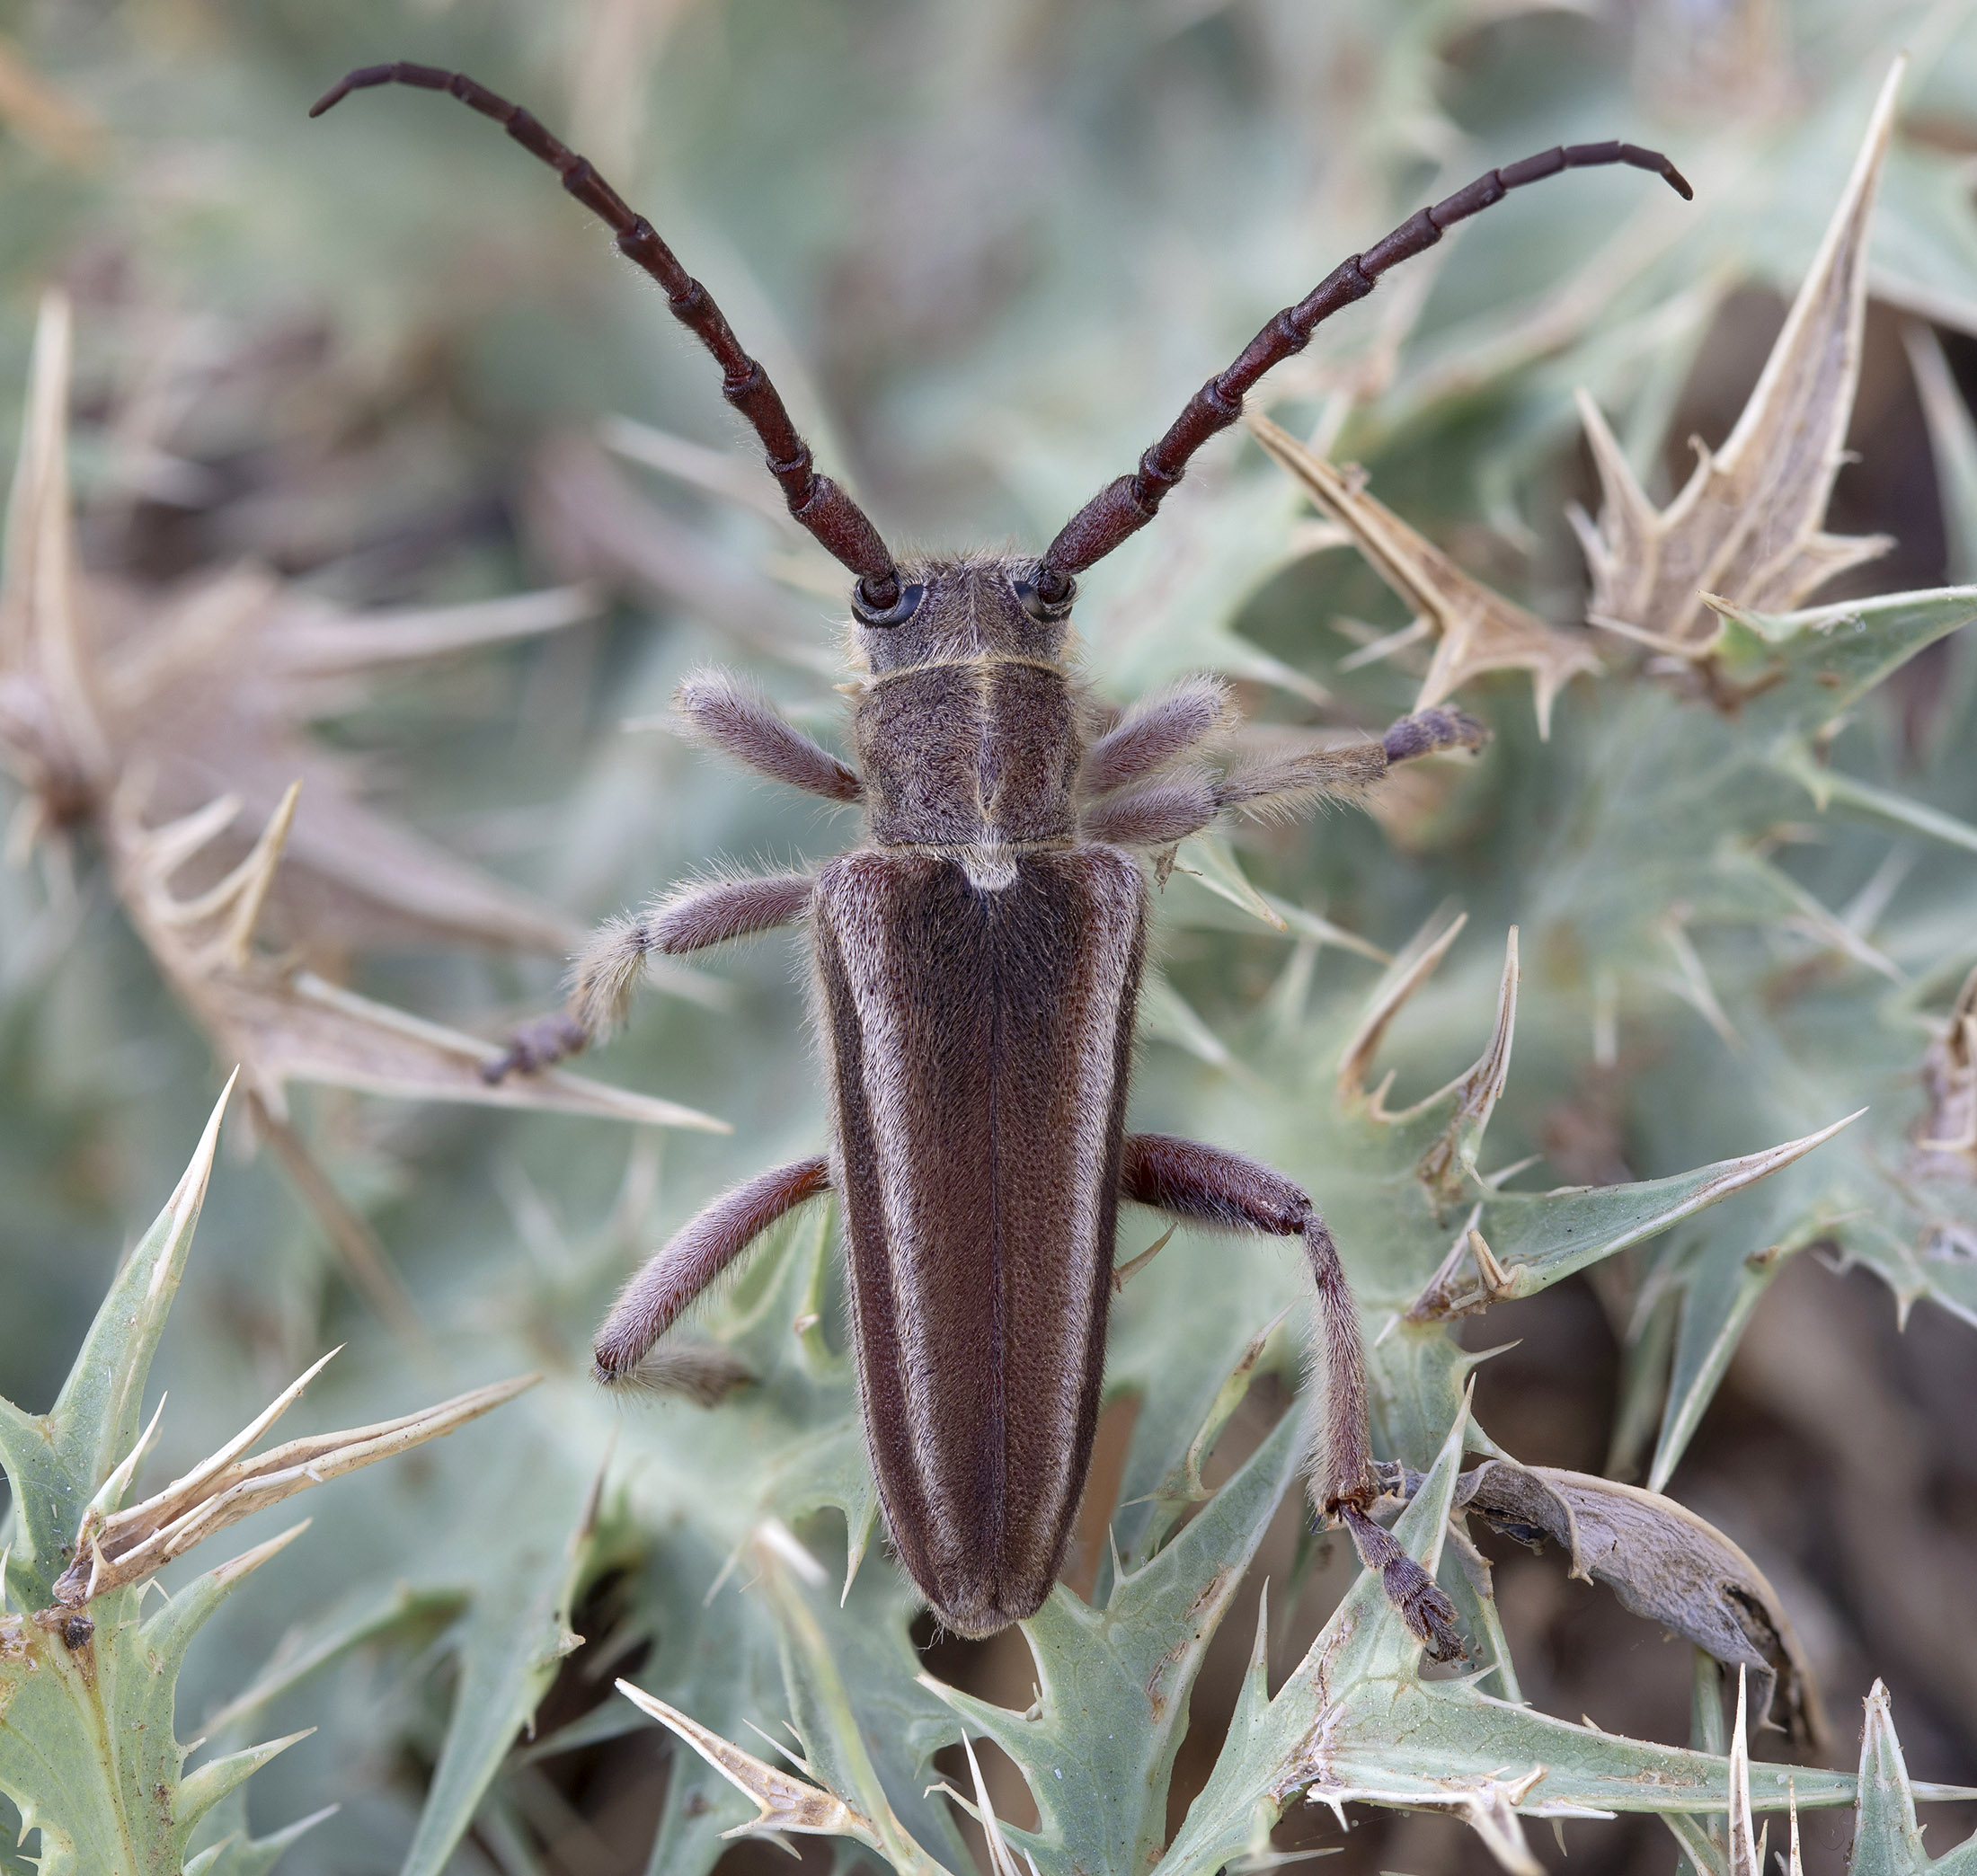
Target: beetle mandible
{"x": 976, "y": 968}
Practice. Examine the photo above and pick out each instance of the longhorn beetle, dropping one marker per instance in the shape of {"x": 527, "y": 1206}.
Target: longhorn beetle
{"x": 976, "y": 967}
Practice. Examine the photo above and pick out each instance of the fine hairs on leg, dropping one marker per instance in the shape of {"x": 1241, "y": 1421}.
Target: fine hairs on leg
{"x": 697, "y": 1254}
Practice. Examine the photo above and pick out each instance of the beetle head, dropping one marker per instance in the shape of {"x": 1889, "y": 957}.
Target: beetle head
{"x": 976, "y": 606}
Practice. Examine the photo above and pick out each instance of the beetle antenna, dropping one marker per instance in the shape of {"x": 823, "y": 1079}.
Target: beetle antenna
{"x": 1124, "y": 507}
{"x": 838, "y": 524}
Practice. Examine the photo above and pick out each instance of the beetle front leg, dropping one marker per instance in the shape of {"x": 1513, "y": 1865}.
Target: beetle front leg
{"x": 694, "y": 1257}
{"x": 1227, "y": 1192}
{"x": 720, "y": 712}
{"x": 609, "y": 967}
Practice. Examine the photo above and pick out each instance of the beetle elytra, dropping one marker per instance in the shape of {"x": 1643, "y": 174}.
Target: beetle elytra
{"x": 976, "y": 965}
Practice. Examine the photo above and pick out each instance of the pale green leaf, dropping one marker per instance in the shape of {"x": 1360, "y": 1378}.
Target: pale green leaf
{"x": 1796, "y": 671}
{"x": 1098, "y": 1747}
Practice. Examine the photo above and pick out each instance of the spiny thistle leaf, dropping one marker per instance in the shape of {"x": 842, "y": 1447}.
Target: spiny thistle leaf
{"x": 59, "y": 1465}
{"x": 507, "y": 1646}
{"x": 1451, "y": 1241}
{"x": 1474, "y": 628}
{"x": 1355, "y": 1721}
{"x": 497, "y": 1610}
{"x": 866, "y": 1725}
{"x": 88, "y": 1684}
{"x": 1887, "y": 1840}
{"x": 1916, "y": 1219}
{"x": 1114, "y": 1681}
{"x": 715, "y": 1657}
{"x": 1792, "y": 674}
{"x": 1747, "y": 526}
{"x": 238, "y": 1855}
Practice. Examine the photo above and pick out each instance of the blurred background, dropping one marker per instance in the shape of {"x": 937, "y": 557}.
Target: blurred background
{"x": 378, "y": 364}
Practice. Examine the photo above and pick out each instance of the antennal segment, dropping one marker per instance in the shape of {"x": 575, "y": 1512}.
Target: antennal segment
{"x": 1124, "y": 507}
{"x": 838, "y": 524}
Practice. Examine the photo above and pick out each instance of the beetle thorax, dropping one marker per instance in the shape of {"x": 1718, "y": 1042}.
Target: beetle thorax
{"x": 968, "y": 729}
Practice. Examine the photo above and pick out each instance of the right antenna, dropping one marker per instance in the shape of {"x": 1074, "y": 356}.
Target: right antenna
{"x": 1122, "y": 507}
{"x": 840, "y": 525}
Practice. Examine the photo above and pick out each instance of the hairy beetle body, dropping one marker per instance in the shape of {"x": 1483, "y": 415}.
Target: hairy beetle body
{"x": 977, "y": 972}
{"x": 979, "y": 1041}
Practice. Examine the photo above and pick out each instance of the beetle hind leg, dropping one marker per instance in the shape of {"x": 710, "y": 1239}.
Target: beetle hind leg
{"x": 697, "y": 1254}
{"x": 1227, "y": 1192}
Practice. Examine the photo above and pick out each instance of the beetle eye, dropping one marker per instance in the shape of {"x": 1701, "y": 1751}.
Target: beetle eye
{"x": 1041, "y": 609}
{"x": 897, "y": 614}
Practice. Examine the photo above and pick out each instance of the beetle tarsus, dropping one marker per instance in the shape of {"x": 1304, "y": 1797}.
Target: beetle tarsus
{"x": 536, "y": 1046}
{"x": 1430, "y": 1615}
{"x": 1427, "y": 731}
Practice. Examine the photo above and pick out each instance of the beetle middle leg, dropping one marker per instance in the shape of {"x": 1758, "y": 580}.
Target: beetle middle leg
{"x": 608, "y": 970}
{"x": 1171, "y": 807}
{"x": 1224, "y": 1191}
{"x": 703, "y": 1247}
{"x": 726, "y": 715}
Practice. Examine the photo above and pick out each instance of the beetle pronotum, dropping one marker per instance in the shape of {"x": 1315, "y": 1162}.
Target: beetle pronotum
{"x": 975, "y": 970}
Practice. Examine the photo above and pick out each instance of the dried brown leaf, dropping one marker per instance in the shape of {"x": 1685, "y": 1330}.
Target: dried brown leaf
{"x": 781, "y": 1801}
{"x": 357, "y": 878}
{"x": 1476, "y": 629}
{"x": 206, "y": 691}
{"x": 115, "y": 1548}
{"x": 1747, "y": 525}
{"x": 284, "y": 1023}
{"x": 1949, "y": 1079}
{"x": 1664, "y": 1562}
{"x": 171, "y": 724}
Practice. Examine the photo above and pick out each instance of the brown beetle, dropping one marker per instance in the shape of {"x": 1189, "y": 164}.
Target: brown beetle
{"x": 976, "y": 970}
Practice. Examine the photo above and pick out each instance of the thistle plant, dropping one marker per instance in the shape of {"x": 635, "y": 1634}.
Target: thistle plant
{"x": 87, "y": 1678}
{"x": 333, "y": 678}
